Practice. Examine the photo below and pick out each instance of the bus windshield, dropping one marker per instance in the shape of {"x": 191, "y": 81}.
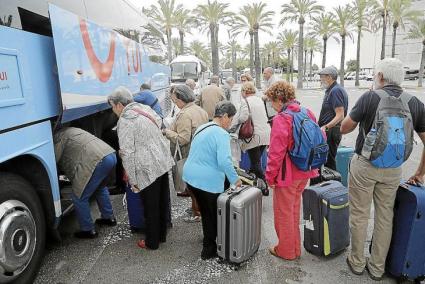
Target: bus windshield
{"x": 181, "y": 71}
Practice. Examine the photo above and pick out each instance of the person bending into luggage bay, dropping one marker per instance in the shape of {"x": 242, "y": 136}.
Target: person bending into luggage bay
{"x": 371, "y": 180}
{"x": 87, "y": 161}
{"x": 147, "y": 159}
{"x": 334, "y": 109}
{"x": 286, "y": 180}
{"x": 206, "y": 168}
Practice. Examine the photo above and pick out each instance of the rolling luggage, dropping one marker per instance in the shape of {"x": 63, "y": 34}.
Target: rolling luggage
{"x": 239, "y": 223}
{"x": 343, "y": 158}
{"x": 135, "y": 210}
{"x": 325, "y": 210}
{"x": 406, "y": 257}
{"x": 326, "y": 174}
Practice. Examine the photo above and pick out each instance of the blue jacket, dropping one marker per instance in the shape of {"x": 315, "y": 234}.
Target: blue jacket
{"x": 210, "y": 160}
{"x": 148, "y": 98}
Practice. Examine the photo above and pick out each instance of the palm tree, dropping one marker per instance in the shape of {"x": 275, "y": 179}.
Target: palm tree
{"x": 233, "y": 48}
{"x": 184, "y": 23}
{"x": 323, "y": 26}
{"x": 417, "y": 31}
{"x": 313, "y": 45}
{"x": 175, "y": 42}
{"x": 254, "y": 17}
{"x": 164, "y": 16}
{"x": 244, "y": 22}
{"x": 200, "y": 50}
{"x": 210, "y": 15}
{"x": 345, "y": 25}
{"x": 298, "y": 10}
{"x": 360, "y": 10}
{"x": 400, "y": 11}
{"x": 288, "y": 40}
{"x": 381, "y": 7}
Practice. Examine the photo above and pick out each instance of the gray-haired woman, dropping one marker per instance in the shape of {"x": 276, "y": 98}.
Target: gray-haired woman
{"x": 206, "y": 168}
{"x": 188, "y": 120}
{"x": 147, "y": 159}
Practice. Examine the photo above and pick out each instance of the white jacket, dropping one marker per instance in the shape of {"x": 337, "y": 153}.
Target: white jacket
{"x": 259, "y": 118}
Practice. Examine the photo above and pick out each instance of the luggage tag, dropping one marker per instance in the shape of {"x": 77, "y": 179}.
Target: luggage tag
{"x": 309, "y": 224}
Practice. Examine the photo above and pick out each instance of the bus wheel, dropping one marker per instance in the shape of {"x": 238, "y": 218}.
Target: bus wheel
{"x": 22, "y": 230}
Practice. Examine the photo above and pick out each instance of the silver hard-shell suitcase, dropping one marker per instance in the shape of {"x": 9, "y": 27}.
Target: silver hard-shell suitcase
{"x": 239, "y": 223}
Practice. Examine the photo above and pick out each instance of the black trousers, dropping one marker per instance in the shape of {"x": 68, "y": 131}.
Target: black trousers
{"x": 255, "y": 158}
{"x": 334, "y": 138}
{"x": 156, "y": 202}
{"x": 208, "y": 206}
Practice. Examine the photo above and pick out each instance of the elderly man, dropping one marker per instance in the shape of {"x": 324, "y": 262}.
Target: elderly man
{"x": 228, "y": 86}
{"x": 87, "y": 161}
{"x": 370, "y": 181}
{"x": 146, "y": 97}
{"x": 334, "y": 109}
{"x": 147, "y": 159}
{"x": 210, "y": 96}
{"x": 269, "y": 77}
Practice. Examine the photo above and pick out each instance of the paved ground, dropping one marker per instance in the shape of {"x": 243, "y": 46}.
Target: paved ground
{"x": 115, "y": 258}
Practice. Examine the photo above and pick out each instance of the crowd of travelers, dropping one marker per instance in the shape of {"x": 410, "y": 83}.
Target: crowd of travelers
{"x": 198, "y": 135}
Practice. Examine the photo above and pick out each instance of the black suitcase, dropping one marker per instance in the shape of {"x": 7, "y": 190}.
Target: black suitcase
{"x": 326, "y": 174}
{"x": 325, "y": 210}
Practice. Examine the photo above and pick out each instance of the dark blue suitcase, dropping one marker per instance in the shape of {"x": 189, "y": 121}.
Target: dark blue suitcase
{"x": 325, "y": 210}
{"x": 406, "y": 257}
{"x": 135, "y": 210}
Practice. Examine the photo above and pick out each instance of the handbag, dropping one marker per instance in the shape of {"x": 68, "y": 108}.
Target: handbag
{"x": 246, "y": 131}
{"x": 177, "y": 170}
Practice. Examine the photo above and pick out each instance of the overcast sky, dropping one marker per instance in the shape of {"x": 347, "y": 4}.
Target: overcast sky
{"x": 334, "y": 49}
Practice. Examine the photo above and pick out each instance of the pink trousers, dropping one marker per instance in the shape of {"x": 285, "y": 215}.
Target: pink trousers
{"x": 286, "y": 207}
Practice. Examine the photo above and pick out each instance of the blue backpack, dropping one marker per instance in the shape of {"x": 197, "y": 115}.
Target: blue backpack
{"x": 310, "y": 149}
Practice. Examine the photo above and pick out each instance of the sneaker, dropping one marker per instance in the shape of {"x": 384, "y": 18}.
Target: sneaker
{"x": 373, "y": 277}
{"x": 192, "y": 219}
{"x": 108, "y": 222}
{"x": 352, "y": 269}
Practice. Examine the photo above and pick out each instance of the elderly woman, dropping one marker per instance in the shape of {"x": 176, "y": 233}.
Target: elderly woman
{"x": 189, "y": 118}
{"x": 206, "y": 168}
{"x": 147, "y": 159}
{"x": 286, "y": 180}
{"x": 253, "y": 106}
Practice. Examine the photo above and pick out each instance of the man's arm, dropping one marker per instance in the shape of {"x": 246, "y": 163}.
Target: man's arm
{"x": 348, "y": 125}
{"x": 418, "y": 177}
{"x": 339, "y": 116}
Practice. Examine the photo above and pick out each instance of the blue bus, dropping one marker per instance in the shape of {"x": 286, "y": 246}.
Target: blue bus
{"x": 59, "y": 60}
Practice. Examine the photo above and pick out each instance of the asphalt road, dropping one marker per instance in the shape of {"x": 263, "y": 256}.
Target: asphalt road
{"x": 115, "y": 258}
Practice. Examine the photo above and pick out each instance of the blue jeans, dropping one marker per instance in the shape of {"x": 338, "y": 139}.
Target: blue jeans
{"x": 94, "y": 186}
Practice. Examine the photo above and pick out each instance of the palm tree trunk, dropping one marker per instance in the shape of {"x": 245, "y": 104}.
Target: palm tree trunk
{"x": 251, "y": 53}
{"x": 234, "y": 65}
{"x": 292, "y": 65}
{"x": 394, "y": 39}
{"x": 384, "y": 33}
{"x": 359, "y": 36}
{"x": 257, "y": 60}
{"x": 421, "y": 69}
{"x": 288, "y": 66}
{"x": 300, "y": 56}
{"x": 341, "y": 71}
{"x": 305, "y": 62}
{"x": 268, "y": 59}
{"x": 325, "y": 42}
{"x": 214, "y": 50}
{"x": 170, "y": 47}
{"x": 181, "y": 33}
{"x": 311, "y": 62}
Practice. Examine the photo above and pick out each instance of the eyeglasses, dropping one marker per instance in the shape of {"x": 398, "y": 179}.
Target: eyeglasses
{"x": 244, "y": 81}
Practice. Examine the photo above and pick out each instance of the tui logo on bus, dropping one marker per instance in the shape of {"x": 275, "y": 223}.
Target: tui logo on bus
{"x": 103, "y": 70}
{"x": 3, "y": 76}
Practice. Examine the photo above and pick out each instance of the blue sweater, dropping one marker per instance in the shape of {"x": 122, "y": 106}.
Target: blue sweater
{"x": 210, "y": 160}
{"x": 148, "y": 98}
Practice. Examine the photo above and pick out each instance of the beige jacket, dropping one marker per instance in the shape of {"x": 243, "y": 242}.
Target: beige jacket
{"x": 188, "y": 120}
{"x": 209, "y": 98}
{"x": 77, "y": 155}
